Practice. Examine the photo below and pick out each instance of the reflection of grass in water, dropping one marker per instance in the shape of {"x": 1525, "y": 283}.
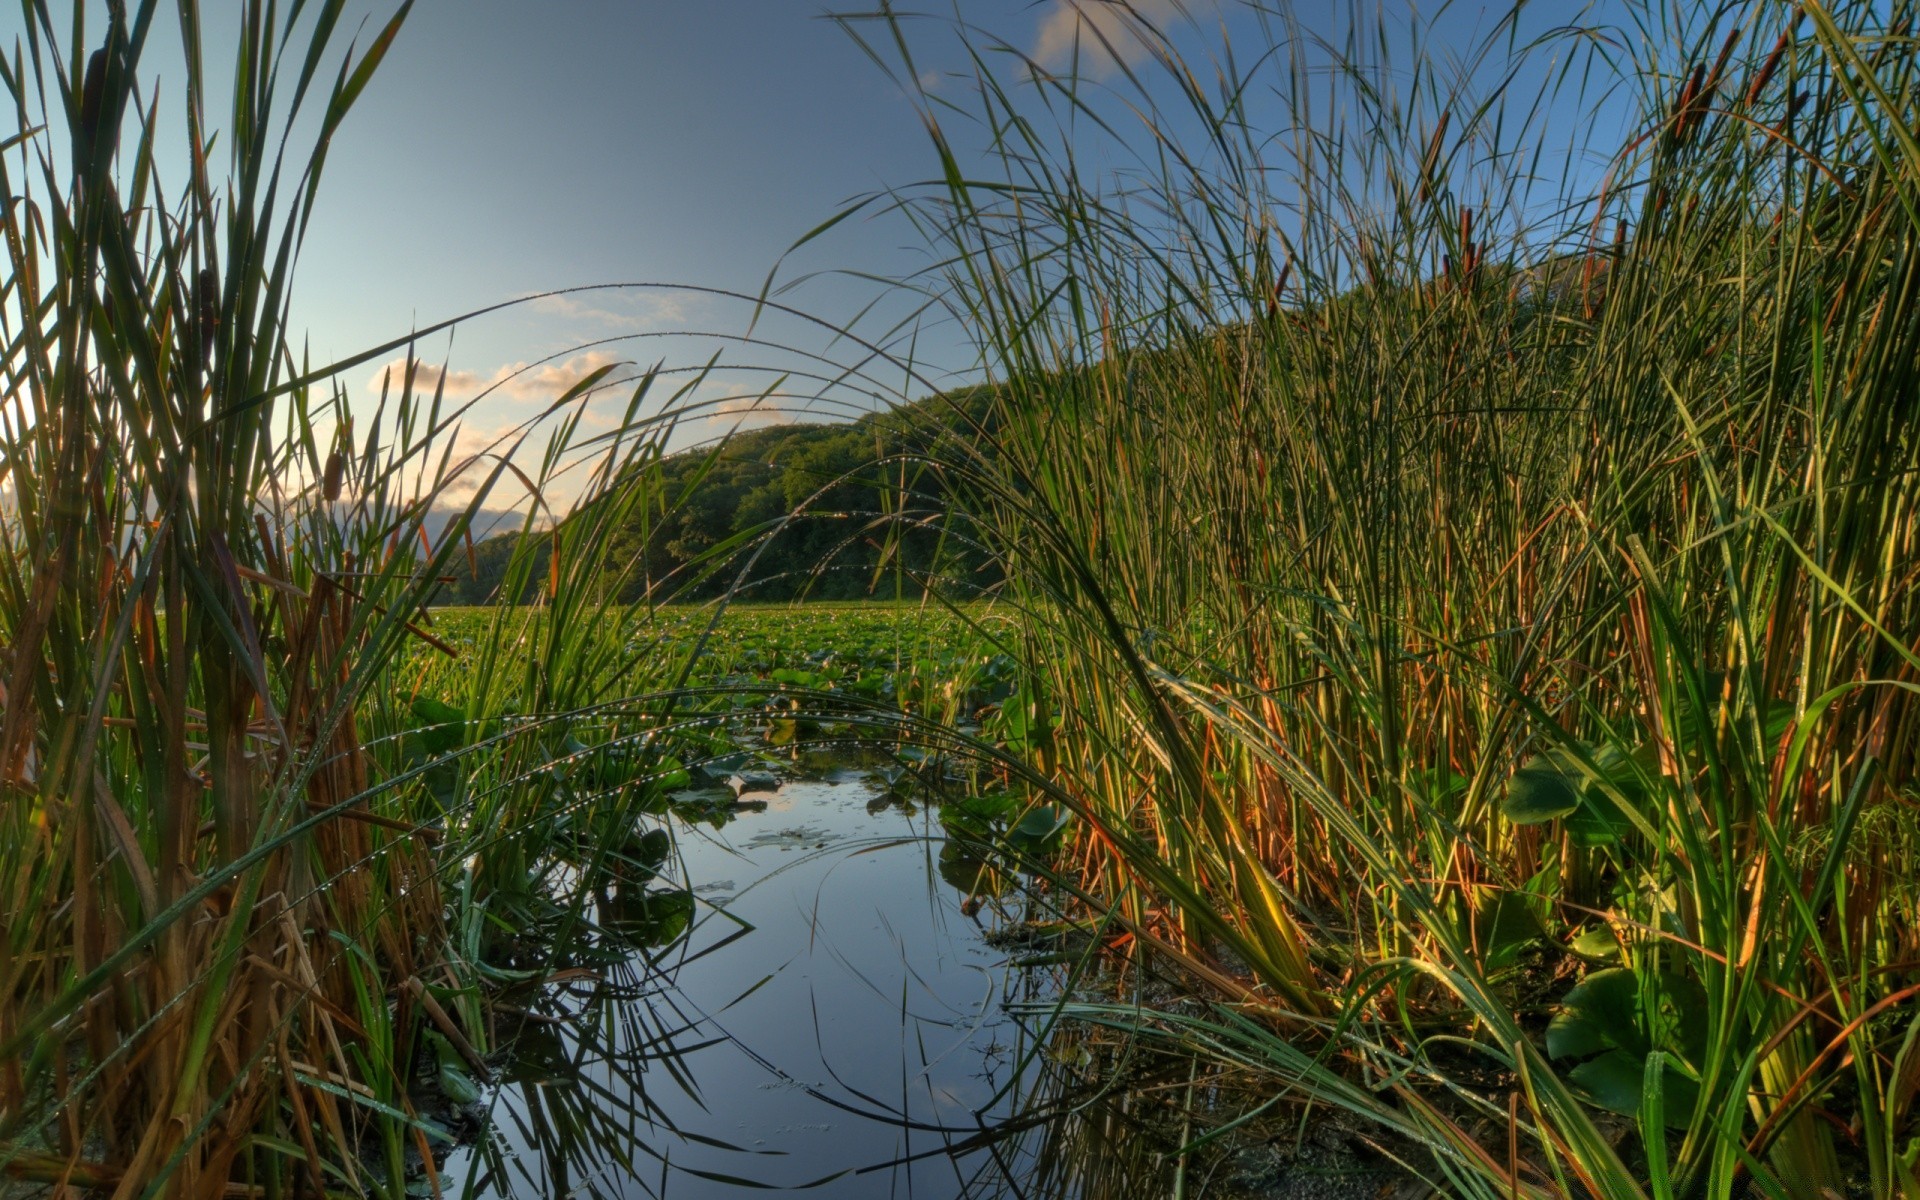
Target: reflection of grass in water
{"x": 794, "y": 838}
{"x": 599, "y": 1033}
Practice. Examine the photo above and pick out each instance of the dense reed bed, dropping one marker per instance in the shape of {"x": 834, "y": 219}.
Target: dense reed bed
{"x": 256, "y": 886}
{"x": 1474, "y": 590}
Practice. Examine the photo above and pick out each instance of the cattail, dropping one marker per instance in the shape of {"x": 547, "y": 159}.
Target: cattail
{"x": 1689, "y": 101}
{"x": 336, "y": 474}
{"x": 1767, "y": 69}
{"x": 93, "y": 95}
{"x": 1719, "y": 67}
{"x": 1279, "y": 289}
{"x": 207, "y": 309}
{"x": 1686, "y": 90}
{"x": 1432, "y": 160}
{"x": 1619, "y": 237}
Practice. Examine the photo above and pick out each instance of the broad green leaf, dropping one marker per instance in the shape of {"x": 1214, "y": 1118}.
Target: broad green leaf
{"x": 1605, "y": 1005}
{"x": 1540, "y": 791}
{"x": 1612, "y": 1081}
{"x": 443, "y": 727}
{"x": 1617, "y": 1081}
{"x": 1598, "y": 944}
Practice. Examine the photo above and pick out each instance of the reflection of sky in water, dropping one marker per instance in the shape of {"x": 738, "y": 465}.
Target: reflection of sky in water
{"x": 860, "y": 980}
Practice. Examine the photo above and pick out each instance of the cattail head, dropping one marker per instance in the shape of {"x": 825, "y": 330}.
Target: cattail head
{"x": 93, "y": 94}
{"x": 1279, "y": 289}
{"x": 1431, "y": 162}
{"x": 1767, "y": 68}
{"x": 1719, "y": 71}
{"x": 335, "y": 475}
{"x": 206, "y": 305}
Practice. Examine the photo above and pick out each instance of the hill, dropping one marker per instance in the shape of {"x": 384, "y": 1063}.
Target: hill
{"x": 821, "y": 510}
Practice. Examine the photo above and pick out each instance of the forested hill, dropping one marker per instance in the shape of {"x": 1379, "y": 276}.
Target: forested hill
{"x": 810, "y": 504}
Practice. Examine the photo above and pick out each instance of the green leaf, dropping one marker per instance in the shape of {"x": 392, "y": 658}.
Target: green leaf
{"x": 1603, "y": 1010}
{"x": 1597, "y": 822}
{"x": 1598, "y": 944}
{"x": 648, "y": 851}
{"x": 1505, "y": 927}
{"x": 443, "y": 727}
{"x": 1538, "y": 792}
{"x": 1037, "y": 832}
{"x": 1575, "y": 1034}
{"x": 457, "y": 1086}
{"x": 670, "y": 774}
{"x": 1674, "y": 1007}
{"x": 1612, "y": 1081}
{"x": 1617, "y": 1082}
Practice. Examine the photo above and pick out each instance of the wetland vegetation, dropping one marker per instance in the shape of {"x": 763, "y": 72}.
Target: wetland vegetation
{"x": 1401, "y": 672}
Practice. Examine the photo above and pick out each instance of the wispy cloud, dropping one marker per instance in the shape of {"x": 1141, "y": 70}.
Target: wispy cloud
{"x": 539, "y": 383}
{"x": 1102, "y": 29}
{"x": 627, "y": 310}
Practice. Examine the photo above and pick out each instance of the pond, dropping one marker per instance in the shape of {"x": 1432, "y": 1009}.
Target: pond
{"x": 837, "y": 1019}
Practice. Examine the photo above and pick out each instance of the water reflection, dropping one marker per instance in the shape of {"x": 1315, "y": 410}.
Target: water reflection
{"x": 834, "y": 1019}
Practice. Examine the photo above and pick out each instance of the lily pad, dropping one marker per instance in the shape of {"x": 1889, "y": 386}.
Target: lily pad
{"x": 1540, "y": 791}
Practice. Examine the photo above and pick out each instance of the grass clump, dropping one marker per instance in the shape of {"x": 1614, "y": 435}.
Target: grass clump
{"x": 253, "y": 891}
{"x": 1480, "y": 593}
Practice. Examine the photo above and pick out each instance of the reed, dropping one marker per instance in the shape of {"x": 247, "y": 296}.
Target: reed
{"x": 1482, "y": 601}
{"x": 238, "y": 912}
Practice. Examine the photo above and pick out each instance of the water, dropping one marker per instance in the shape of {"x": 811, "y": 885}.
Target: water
{"x": 835, "y": 1019}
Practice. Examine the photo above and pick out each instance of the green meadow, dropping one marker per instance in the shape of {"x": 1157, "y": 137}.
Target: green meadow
{"x": 1415, "y": 610}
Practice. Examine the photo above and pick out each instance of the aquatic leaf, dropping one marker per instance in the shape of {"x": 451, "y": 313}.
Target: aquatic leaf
{"x": 456, "y": 1085}
{"x": 1597, "y": 944}
{"x": 1037, "y": 832}
{"x": 1601, "y": 1011}
{"x": 1504, "y": 928}
{"x": 443, "y": 727}
{"x": 1540, "y": 791}
{"x": 670, "y": 774}
{"x": 968, "y": 873}
{"x": 648, "y": 851}
{"x": 1617, "y": 1080}
{"x": 1613, "y": 1081}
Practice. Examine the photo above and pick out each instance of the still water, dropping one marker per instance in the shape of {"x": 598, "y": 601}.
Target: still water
{"x": 835, "y": 1021}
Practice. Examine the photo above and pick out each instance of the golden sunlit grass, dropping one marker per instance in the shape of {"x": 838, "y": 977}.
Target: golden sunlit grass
{"x": 1486, "y": 607}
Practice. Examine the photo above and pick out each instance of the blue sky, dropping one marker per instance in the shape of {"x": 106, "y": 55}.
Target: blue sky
{"x": 509, "y": 147}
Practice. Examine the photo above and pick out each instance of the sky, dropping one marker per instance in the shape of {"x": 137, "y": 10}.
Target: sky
{"x": 512, "y": 147}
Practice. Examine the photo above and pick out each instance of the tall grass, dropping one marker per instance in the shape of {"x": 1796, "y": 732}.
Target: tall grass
{"x": 1482, "y": 598}
{"x": 252, "y": 879}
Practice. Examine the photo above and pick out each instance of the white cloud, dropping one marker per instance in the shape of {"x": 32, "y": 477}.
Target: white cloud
{"x": 426, "y": 378}
{"x": 538, "y": 383}
{"x": 1097, "y": 25}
